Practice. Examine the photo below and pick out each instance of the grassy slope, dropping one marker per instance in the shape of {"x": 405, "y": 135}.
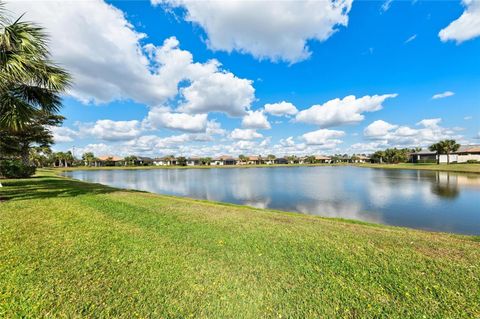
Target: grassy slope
{"x": 461, "y": 168}
{"x": 69, "y": 248}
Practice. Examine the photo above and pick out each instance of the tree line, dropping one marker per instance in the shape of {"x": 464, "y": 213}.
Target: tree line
{"x": 402, "y": 155}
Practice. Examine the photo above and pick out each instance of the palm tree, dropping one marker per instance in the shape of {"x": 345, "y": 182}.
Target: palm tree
{"x": 291, "y": 159}
{"x": 310, "y": 159}
{"x": 242, "y": 158}
{"x": 378, "y": 156}
{"x": 88, "y": 158}
{"x": 444, "y": 147}
{"x": 271, "y": 158}
{"x": 29, "y": 81}
{"x": 130, "y": 160}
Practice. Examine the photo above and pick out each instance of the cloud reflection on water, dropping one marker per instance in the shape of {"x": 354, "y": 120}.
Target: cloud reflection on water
{"x": 423, "y": 199}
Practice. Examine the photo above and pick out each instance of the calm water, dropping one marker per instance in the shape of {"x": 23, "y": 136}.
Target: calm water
{"x": 438, "y": 201}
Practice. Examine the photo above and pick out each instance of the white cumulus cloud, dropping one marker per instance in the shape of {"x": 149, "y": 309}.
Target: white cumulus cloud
{"x": 159, "y": 117}
{"x": 112, "y": 130}
{"x": 426, "y": 132}
{"x": 218, "y": 92}
{"x": 62, "y": 134}
{"x": 275, "y": 30}
{"x": 466, "y": 27}
{"x": 378, "y": 129}
{"x": 255, "y": 120}
{"x": 281, "y": 108}
{"x": 245, "y": 134}
{"x": 325, "y": 138}
{"x": 348, "y": 110}
{"x": 106, "y": 56}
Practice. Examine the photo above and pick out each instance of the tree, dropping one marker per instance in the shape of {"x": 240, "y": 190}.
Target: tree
{"x": 292, "y": 159}
{"x": 378, "y": 156}
{"x": 310, "y": 159}
{"x": 29, "y": 81}
{"x": 444, "y": 147}
{"x": 35, "y": 133}
{"x": 182, "y": 161}
{"x": 206, "y": 160}
{"x": 68, "y": 158}
{"x": 130, "y": 160}
{"x": 260, "y": 159}
{"x": 354, "y": 158}
{"x": 271, "y": 157}
{"x": 41, "y": 156}
{"x": 242, "y": 158}
{"x": 88, "y": 158}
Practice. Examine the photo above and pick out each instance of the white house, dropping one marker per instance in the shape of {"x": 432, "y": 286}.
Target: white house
{"x": 193, "y": 161}
{"x": 465, "y": 153}
{"x": 165, "y": 161}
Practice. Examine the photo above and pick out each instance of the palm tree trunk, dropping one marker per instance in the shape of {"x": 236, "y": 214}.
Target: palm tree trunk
{"x": 25, "y": 155}
{"x": 448, "y": 158}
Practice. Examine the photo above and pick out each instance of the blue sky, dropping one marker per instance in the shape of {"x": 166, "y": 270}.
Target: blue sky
{"x": 208, "y": 78}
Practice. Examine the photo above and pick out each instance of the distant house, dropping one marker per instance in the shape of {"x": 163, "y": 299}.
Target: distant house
{"x": 141, "y": 160}
{"x": 108, "y": 160}
{"x": 223, "y": 160}
{"x": 465, "y": 153}
{"x": 423, "y": 156}
{"x": 280, "y": 160}
{"x": 269, "y": 161}
{"x": 340, "y": 159}
{"x": 165, "y": 161}
{"x": 323, "y": 159}
{"x": 360, "y": 159}
{"x": 254, "y": 160}
{"x": 193, "y": 161}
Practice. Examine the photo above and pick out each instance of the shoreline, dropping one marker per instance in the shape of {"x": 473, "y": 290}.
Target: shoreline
{"x": 290, "y": 213}
{"x": 457, "y": 168}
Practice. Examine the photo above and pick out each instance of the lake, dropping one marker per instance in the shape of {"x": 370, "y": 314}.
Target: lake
{"x": 437, "y": 201}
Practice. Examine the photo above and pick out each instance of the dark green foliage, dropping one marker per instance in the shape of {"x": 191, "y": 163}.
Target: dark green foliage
{"x": 15, "y": 169}
{"x": 181, "y": 161}
{"x": 392, "y": 155}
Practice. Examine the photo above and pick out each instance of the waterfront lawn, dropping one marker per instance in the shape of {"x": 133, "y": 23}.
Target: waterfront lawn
{"x": 460, "y": 168}
{"x": 71, "y": 249}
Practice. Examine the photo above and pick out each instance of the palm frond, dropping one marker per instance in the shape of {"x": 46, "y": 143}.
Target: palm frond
{"x": 15, "y": 113}
{"x": 29, "y": 81}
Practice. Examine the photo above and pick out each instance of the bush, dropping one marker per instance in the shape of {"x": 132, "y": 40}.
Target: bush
{"x": 473, "y": 162}
{"x": 15, "y": 169}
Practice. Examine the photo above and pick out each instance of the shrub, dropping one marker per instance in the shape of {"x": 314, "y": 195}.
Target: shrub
{"x": 15, "y": 169}
{"x": 473, "y": 162}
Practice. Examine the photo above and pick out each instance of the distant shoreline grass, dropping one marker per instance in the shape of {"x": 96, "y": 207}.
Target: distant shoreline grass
{"x": 76, "y": 249}
{"x": 459, "y": 168}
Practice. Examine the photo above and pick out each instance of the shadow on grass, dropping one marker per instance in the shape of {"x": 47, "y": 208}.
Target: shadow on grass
{"x": 47, "y": 187}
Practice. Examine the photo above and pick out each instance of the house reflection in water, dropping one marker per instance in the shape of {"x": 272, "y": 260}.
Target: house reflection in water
{"x": 431, "y": 200}
{"x": 448, "y": 184}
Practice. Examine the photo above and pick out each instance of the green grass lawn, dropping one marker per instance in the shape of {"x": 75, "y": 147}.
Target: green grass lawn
{"x": 73, "y": 249}
{"x": 460, "y": 168}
